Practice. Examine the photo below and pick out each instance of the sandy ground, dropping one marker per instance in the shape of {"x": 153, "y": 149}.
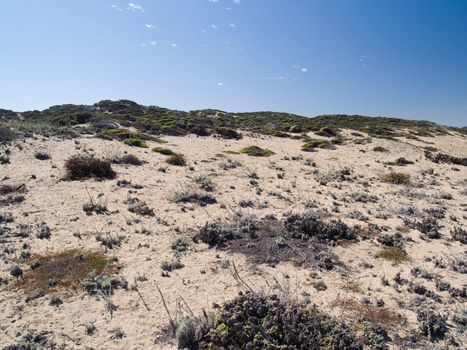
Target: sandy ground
{"x": 203, "y": 281}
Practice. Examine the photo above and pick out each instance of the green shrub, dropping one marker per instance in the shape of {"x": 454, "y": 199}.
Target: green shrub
{"x": 255, "y": 151}
{"x": 228, "y": 133}
{"x": 163, "y": 150}
{"x": 312, "y": 144}
{"x": 270, "y": 322}
{"x": 135, "y": 143}
{"x": 326, "y": 132}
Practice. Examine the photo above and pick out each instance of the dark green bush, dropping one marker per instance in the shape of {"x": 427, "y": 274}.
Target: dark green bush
{"x": 85, "y": 167}
{"x": 228, "y": 133}
{"x": 177, "y": 159}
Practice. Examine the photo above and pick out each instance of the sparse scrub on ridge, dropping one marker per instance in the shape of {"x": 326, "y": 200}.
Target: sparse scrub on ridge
{"x": 229, "y": 164}
{"x": 323, "y": 178}
{"x": 429, "y": 226}
{"x": 85, "y": 167}
{"x": 163, "y": 150}
{"x": 179, "y": 244}
{"x": 364, "y": 197}
{"x": 6, "y": 217}
{"x": 131, "y": 138}
{"x": 4, "y": 158}
{"x": 43, "y": 231}
{"x": 205, "y": 182}
{"x": 326, "y": 132}
{"x": 139, "y": 207}
{"x": 170, "y": 265}
{"x": 228, "y": 133}
{"x": 300, "y": 238}
{"x": 185, "y": 195}
{"x": 310, "y": 225}
{"x": 110, "y": 241}
{"x": 396, "y": 178}
{"x": 395, "y": 240}
{"x": 445, "y": 158}
{"x": 11, "y": 199}
{"x": 10, "y": 189}
{"x": 11, "y": 194}
{"x": 177, "y": 159}
{"x": 6, "y": 134}
{"x": 97, "y": 208}
{"x": 103, "y": 284}
{"x": 255, "y": 151}
{"x": 431, "y": 323}
{"x": 401, "y": 162}
{"x": 458, "y": 233}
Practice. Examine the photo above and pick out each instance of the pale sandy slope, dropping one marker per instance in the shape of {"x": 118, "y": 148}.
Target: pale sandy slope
{"x": 202, "y": 282}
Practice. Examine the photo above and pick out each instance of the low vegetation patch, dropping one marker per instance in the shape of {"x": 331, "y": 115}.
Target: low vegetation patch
{"x": 186, "y": 195}
{"x": 380, "y": 149}
{"x": 312, "y": 144}
{"x": 301, "y": 238}
{"x": 163, "y": 150}
{"x": 255, "y": 151}
{"x": 66, "y": 269}
{"x": 85, "y": 167}
{"x": 401, "y": 162}
{"x": 128, "y": 159}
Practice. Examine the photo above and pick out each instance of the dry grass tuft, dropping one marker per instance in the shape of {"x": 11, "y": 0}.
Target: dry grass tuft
{"x": 396, "y": 178}
{"x": 393, "y": 254}
{"x": 353, "y": 309}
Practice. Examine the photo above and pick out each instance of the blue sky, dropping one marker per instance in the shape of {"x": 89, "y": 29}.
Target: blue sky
{"x": 403, "y": 58}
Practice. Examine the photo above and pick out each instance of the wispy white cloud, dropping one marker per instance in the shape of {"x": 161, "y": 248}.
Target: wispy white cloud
{"x": 232, "y": 25}
{"x": 150, "y": 26}
{"x": 301, "y": 69}
{"x": 237, "y": 2}
{"x": 116, "y": 8}
{"x": 213, "y": 26}
{"x": 220, "y": 84}
{"x": 213, "y": 0}
{"x": 134, "y": 7}
{"x": 363, "y": 60}
{"x": 150, "y": 43}
{"x": 279, "y": 77}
